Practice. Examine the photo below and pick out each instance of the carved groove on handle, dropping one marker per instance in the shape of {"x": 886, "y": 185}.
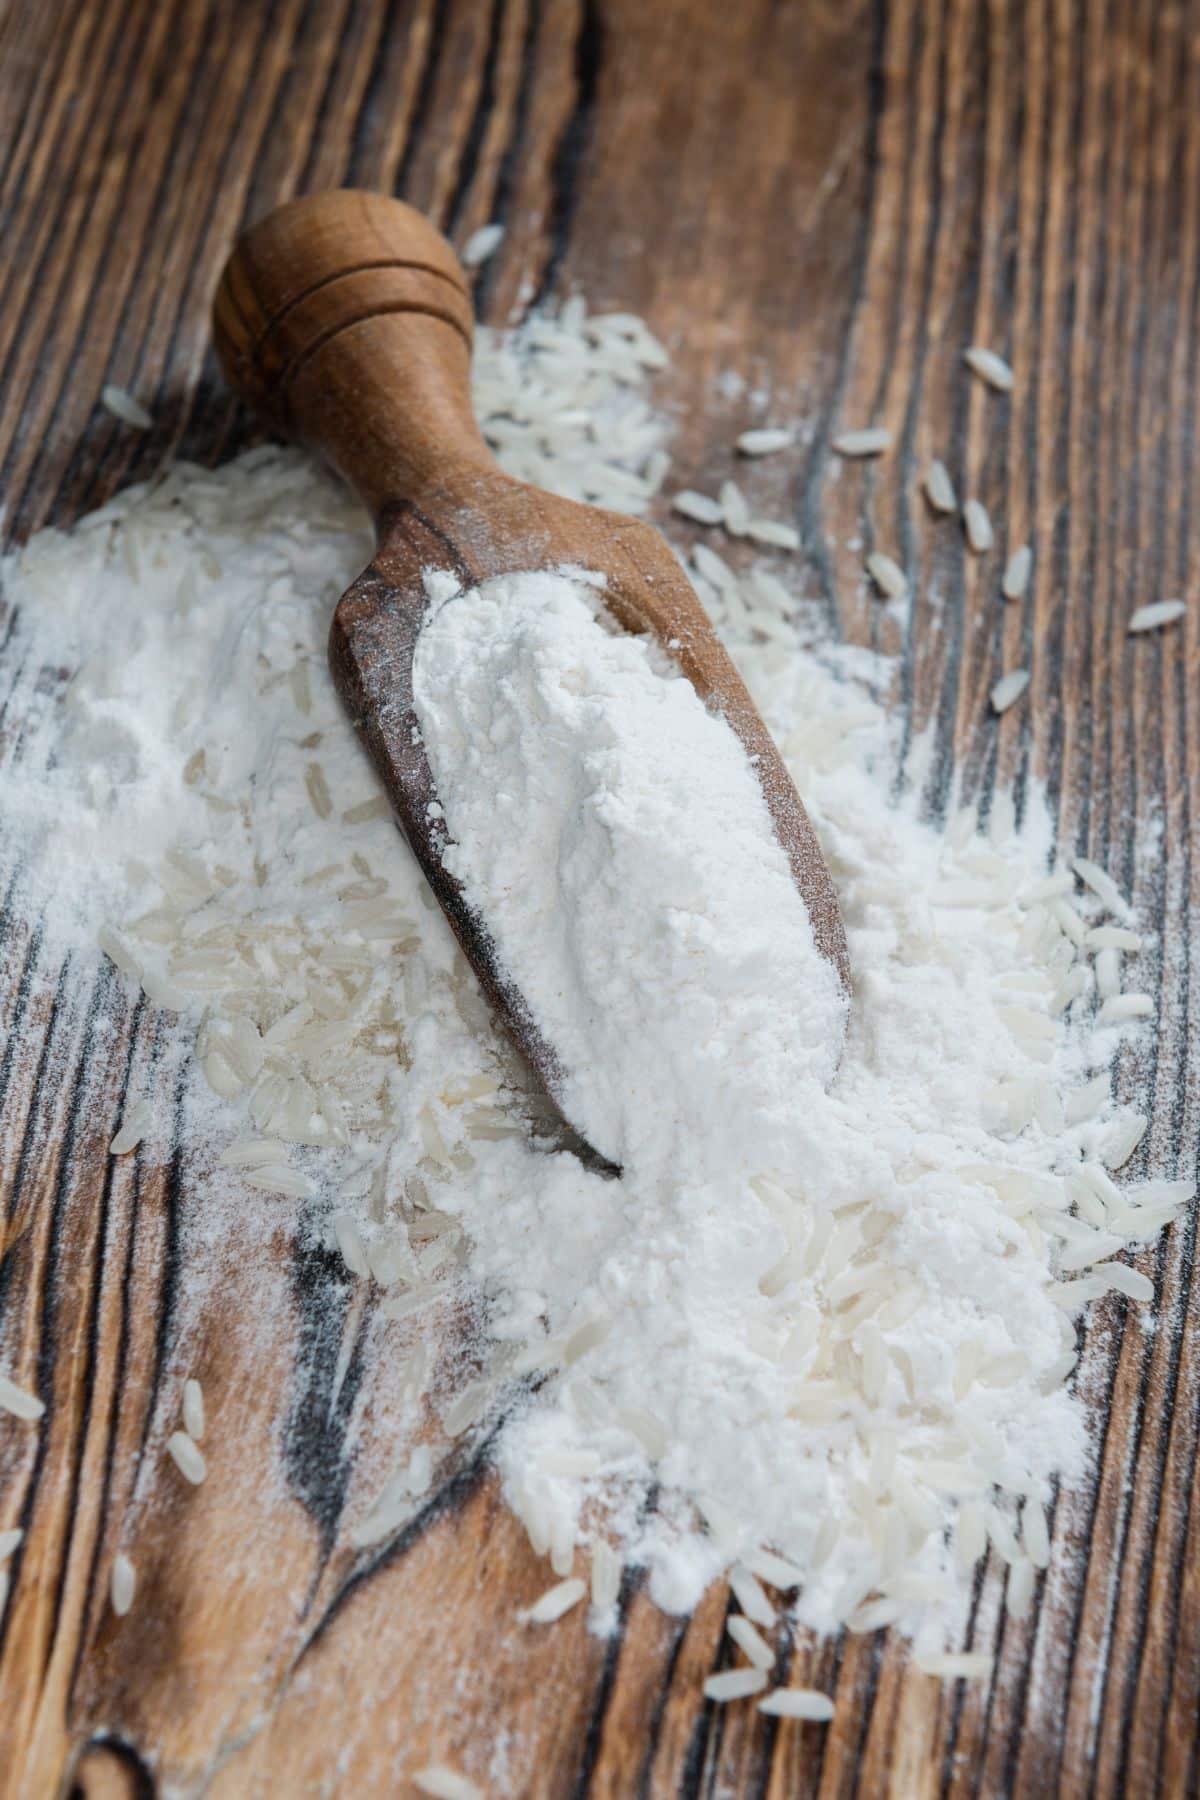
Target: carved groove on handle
{"x": 327, "y": 281}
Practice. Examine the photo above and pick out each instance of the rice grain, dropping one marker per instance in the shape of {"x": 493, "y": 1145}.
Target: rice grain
{"x": 554, "y": 1602}
{"x": 123, "y": 406}
{"x": 122, "y": 1584}
{"x": 480, "y": 245}
{"x": 989, "y": 367}
{"x": 939, "y": 489}
{"x": 1008, "y": 690}
{"x": 19, "y": 1402}
{"x": 1161, "y": 612}
{"x": 734, "y": 1684}
{"x": 187, "y": 1457}
{"x": 763, "y": 442}
{"x": 887, "y": 575}
{"x": 442, "y": 1782}
{"x": 978, "y": 525}
{"x": 1017, "y": 570}
{"x": 872, "y": 440}
{"x": 798, "y": 1703}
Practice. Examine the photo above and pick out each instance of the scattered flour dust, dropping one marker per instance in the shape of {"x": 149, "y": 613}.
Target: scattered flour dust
{"x": 822, "y": 1338}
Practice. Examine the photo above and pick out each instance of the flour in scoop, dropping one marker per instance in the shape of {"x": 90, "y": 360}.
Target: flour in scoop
{"x": 610, "y": 831}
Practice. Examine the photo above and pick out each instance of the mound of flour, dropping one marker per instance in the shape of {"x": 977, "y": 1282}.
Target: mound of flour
{"x": 610, "y": 831}
{"x": 824, "y": 1337}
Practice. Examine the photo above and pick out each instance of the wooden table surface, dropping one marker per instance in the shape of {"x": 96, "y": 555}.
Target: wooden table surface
{"x": 833, "y": 198}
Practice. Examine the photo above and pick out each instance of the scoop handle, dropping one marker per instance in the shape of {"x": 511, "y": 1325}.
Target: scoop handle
{"x": 345, "y": 320}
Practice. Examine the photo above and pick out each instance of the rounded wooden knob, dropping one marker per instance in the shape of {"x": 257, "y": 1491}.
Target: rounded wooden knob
{"x": 344, "y": 319}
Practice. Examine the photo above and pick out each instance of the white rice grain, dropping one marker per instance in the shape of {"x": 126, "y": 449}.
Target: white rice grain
{"x": 1015, "y": 580}
{"x": 978, "y": 526}
{"x": 750, "y": 1597}
{"x": 1123, "y": 1140}
{"x": 939, "y": 489}
{"x": 798, "y": 1703}
{"x": 1124, "y": 1280}
{"x": 118, "y": 952}
{"x": 252, "y": 1153}
{"x": 187, "y": 1457}
{"x": 872, "y": 440}
{"x": 606, "y": 1576}
{"x": 19, "y": 1402}
{"x": 276, "y": 1178}
{"x": 763, "y": 442}
{"x": 755, "y": 1646}
{"x": 774, "y": 533}
{"x": 1161, "y": 612}
{"x": 554, "y": 1602}
{"x": 122, "y": 1584}
{"x": 1118, "y": 1009}
{"x": 1008, "y": 689}
{"x": 1087, "y": 1101}
{"x": 442, "y": 1782}
{"x": 776, "y": 1571}
{"x": 989, "y": 367}
{"x": 734, "y": 1684}
{"x": 1113, "y": 937}
{"x": 964, "y": 1665}
{"x": 133, "y": 1128}
{"x": 887, "y": 575}
{"x": 1101, "y": 884}
{"x": 480, "y": 245}
{"x": 123, "y": 406}
{"x": 193, "y": 1408}
{"x": 735, "y": 509}
{"x": 700, "y": 507}
{"x": 1019, "y": 1594}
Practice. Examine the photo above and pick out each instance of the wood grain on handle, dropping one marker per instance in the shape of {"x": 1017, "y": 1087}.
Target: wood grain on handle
{"x": 345, "y": 319}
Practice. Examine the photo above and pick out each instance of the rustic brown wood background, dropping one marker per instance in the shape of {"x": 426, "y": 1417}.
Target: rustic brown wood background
{"x": 833, "y": 197}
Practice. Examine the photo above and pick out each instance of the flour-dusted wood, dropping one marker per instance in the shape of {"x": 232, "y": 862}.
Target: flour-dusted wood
{"x": 844, "y": 198}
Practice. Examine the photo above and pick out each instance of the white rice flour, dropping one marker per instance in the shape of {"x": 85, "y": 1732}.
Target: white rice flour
{"x": 828, "y": 1322}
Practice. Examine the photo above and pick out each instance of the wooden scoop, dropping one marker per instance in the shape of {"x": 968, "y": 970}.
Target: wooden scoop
{"x": 346, "y": 321}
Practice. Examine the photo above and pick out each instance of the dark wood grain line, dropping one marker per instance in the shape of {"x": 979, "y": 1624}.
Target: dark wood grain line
{"x": 587, "y": 59}
{"x": 1184, "y": 374}
{"x": 122, "y": 1366}
{"x": 424, "y": 97}
{"x": 231, "y": 204}
{"x": 958, "y": 1697}
{"x": 324, "y": 162}
{"x": 929, "y": 130}
{"x": 666, "y": 1684}
{"x": 46, "y": 1356}
{"x": 40, "y": 210}
{"x": 56, "y": 349}
{"x": 511, "y": 153}
{"x": 468, "y": 161}
{"x": 450, "y": 1497}
{"x": 593, "y": 1736}
{"x": 101, "y": 1238}
{"x": 21, "y": 988}
{"x": 57, "y": 1017}
{"x": 815, "y": 472}
{"x": 1129, "y": 1611}
{"x": 89, "y": 479}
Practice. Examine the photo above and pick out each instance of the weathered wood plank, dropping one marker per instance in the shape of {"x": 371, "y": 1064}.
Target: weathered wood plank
{"x": 834, "y": 201}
